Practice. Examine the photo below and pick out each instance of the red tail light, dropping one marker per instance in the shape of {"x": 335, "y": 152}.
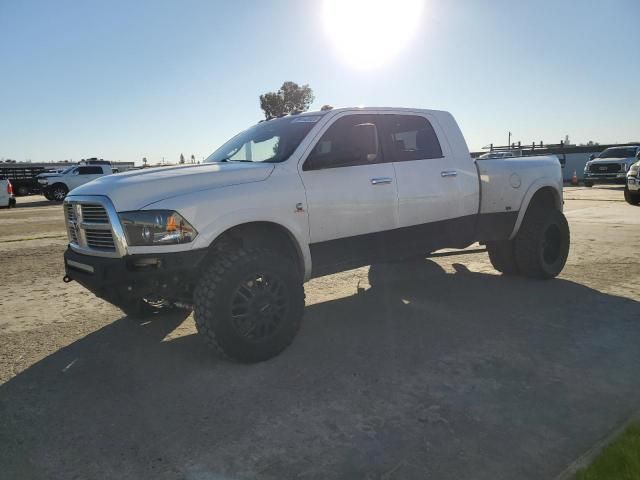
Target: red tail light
{"x": 9, "y": 188}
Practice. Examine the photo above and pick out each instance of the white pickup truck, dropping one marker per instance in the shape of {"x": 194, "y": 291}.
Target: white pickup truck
{"x": 302, "y": 196}
{"x": 56, "y": 185}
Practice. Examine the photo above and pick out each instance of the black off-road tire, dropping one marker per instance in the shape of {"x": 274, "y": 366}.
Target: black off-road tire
{"x": 215, "y": 301}
{"x": 631, "y": 198}
{"x": 588, "y": 184}
{"x": 542, "y": 244}
{"x": 22, "y": 191}
{"x": 503, "y": 257}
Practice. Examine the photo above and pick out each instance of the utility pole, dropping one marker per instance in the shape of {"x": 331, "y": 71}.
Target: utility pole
{"x": 509, "y": 141}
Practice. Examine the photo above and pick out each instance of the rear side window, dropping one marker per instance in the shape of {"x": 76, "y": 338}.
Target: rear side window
{"x": 89, "y": 170}
{"x": 411, "y": 137}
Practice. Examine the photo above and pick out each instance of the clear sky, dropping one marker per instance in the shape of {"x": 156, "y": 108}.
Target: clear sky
{"x": 126, "y": 79}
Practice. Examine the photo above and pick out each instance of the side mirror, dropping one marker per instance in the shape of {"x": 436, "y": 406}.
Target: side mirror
{"x": 638, "y": 155}
{"x": 592, "y": 156}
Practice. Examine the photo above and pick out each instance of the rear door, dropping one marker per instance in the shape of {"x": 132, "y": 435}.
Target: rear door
{"x": 351, "y": 192}
{"x": 431, "y": 205}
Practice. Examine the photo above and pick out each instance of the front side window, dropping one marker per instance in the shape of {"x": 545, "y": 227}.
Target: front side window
{"x": 89, "y": 170}
{"x": 411, "y": 137}
{"x": 349, "y": 141}
{"x": 271, "y": 141}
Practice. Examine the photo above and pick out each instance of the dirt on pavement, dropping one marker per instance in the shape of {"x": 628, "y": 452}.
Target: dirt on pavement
{"x": 432, "y": 369}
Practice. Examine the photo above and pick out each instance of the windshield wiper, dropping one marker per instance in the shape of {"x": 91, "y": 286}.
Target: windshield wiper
{"x": 228, "y": 159}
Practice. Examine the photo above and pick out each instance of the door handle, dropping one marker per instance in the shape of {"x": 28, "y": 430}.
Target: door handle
{"x": 381, "y": 180}
{"x": 449, "y": 173}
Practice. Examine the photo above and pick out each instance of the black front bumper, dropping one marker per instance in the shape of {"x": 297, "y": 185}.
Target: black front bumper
{"x": 120, "y": 280}
{"x": 604, "y": 178}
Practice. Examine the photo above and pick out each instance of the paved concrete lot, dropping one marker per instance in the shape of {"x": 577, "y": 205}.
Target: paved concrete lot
{"x": 436, "y": 369}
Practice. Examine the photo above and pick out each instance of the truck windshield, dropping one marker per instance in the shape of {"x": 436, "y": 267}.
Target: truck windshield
{"x": 271, "y": 141}
{"x": 618, "y": 153}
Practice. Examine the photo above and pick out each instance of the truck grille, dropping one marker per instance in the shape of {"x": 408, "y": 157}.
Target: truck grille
{"x": 94, "y": 214}
{"x": 100, "y": 239}
{"x": 605, "y": 168}
{"x": 89, "y": 226}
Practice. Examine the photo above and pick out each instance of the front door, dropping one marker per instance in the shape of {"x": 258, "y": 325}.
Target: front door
{"x": 351, "y": 193}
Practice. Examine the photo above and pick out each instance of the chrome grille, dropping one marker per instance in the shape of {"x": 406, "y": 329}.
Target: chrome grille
{"x": 100, "y": 239}
{"x": 94, "y": 214}
{"x": 93, "y": 226}
{"x": 70, "y": 217}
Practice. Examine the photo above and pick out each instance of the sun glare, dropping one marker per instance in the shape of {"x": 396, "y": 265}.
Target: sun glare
{"x": 370, "y": 33}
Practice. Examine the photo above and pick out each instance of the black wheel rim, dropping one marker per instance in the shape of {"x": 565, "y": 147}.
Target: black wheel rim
{"x": 552, "y": 244}
{"x": 259, "y": 307}
{"x": 58, "y": 194}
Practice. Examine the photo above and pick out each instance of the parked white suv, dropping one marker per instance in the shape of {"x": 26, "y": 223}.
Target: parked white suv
{"x": 56, "y": 186}
{"x": 632, "y": 188}
{"x": 303, "y": 196}
{"x": 7, "y": 199}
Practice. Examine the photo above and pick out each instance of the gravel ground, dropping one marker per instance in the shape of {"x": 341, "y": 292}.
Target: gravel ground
{"x": 440, "y": 369}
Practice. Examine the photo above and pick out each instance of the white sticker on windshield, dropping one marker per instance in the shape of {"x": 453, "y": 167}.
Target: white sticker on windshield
{"x": 307, "y": 119}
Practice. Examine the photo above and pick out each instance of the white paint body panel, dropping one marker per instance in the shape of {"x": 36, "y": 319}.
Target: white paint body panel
{"x": 424, "y": 194}
{"x": 5, "y": 198}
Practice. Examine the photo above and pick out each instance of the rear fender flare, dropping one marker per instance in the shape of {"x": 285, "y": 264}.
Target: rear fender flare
{"x": 544, "y": 182}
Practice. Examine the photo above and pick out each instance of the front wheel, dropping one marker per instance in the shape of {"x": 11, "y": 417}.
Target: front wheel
{"x": 588, "y": 184}
{"x": 542, "y": 244}
{"x": 59, "y": 192}
{"x": 249, "y": 304}
{"x": 631, "y": 198}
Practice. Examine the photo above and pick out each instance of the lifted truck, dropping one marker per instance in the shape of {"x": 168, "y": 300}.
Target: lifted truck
{"x": 303, "y": 196}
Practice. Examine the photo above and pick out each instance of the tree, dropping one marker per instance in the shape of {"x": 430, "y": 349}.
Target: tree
{"x": 181, "y": 159}
{"x": 324, "y": 108}
{"x": 144, "y": 161}
{"x": 291, "y": 97}
{"x": 193, "y": 158}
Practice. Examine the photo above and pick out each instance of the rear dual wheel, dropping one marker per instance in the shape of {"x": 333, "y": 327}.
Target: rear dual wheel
{"x": 540, "y": 249}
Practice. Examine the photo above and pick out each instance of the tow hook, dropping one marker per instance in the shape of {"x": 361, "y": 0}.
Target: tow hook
{"x": 67, "y": 279}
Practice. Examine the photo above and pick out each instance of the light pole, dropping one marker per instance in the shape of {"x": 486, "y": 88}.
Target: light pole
{"x": 509, "y": 141}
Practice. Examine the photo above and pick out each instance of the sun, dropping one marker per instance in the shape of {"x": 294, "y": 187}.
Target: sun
{"x": 370, "y": 33}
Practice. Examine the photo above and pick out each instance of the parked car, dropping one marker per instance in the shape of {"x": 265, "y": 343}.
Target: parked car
{"x": 303, "y": 196}
{"x": 7, "y": 199}
{"x": 632, "y": 188}
{"x": 56, "y": 186}
{"x": 610, "y": 165}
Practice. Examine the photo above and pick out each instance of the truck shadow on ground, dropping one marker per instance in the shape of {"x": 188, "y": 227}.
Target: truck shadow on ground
{"x": 427, "y": 374}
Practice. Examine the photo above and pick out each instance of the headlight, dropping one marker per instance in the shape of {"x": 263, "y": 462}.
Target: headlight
{"x": 586, "y": 166}
{"x": 156, "y": 227}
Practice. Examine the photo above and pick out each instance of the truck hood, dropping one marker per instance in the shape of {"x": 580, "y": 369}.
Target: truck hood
{"x": 49, "y": 175}
{"x": 135, "y": 189}
{"x": 611, "y": 160}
